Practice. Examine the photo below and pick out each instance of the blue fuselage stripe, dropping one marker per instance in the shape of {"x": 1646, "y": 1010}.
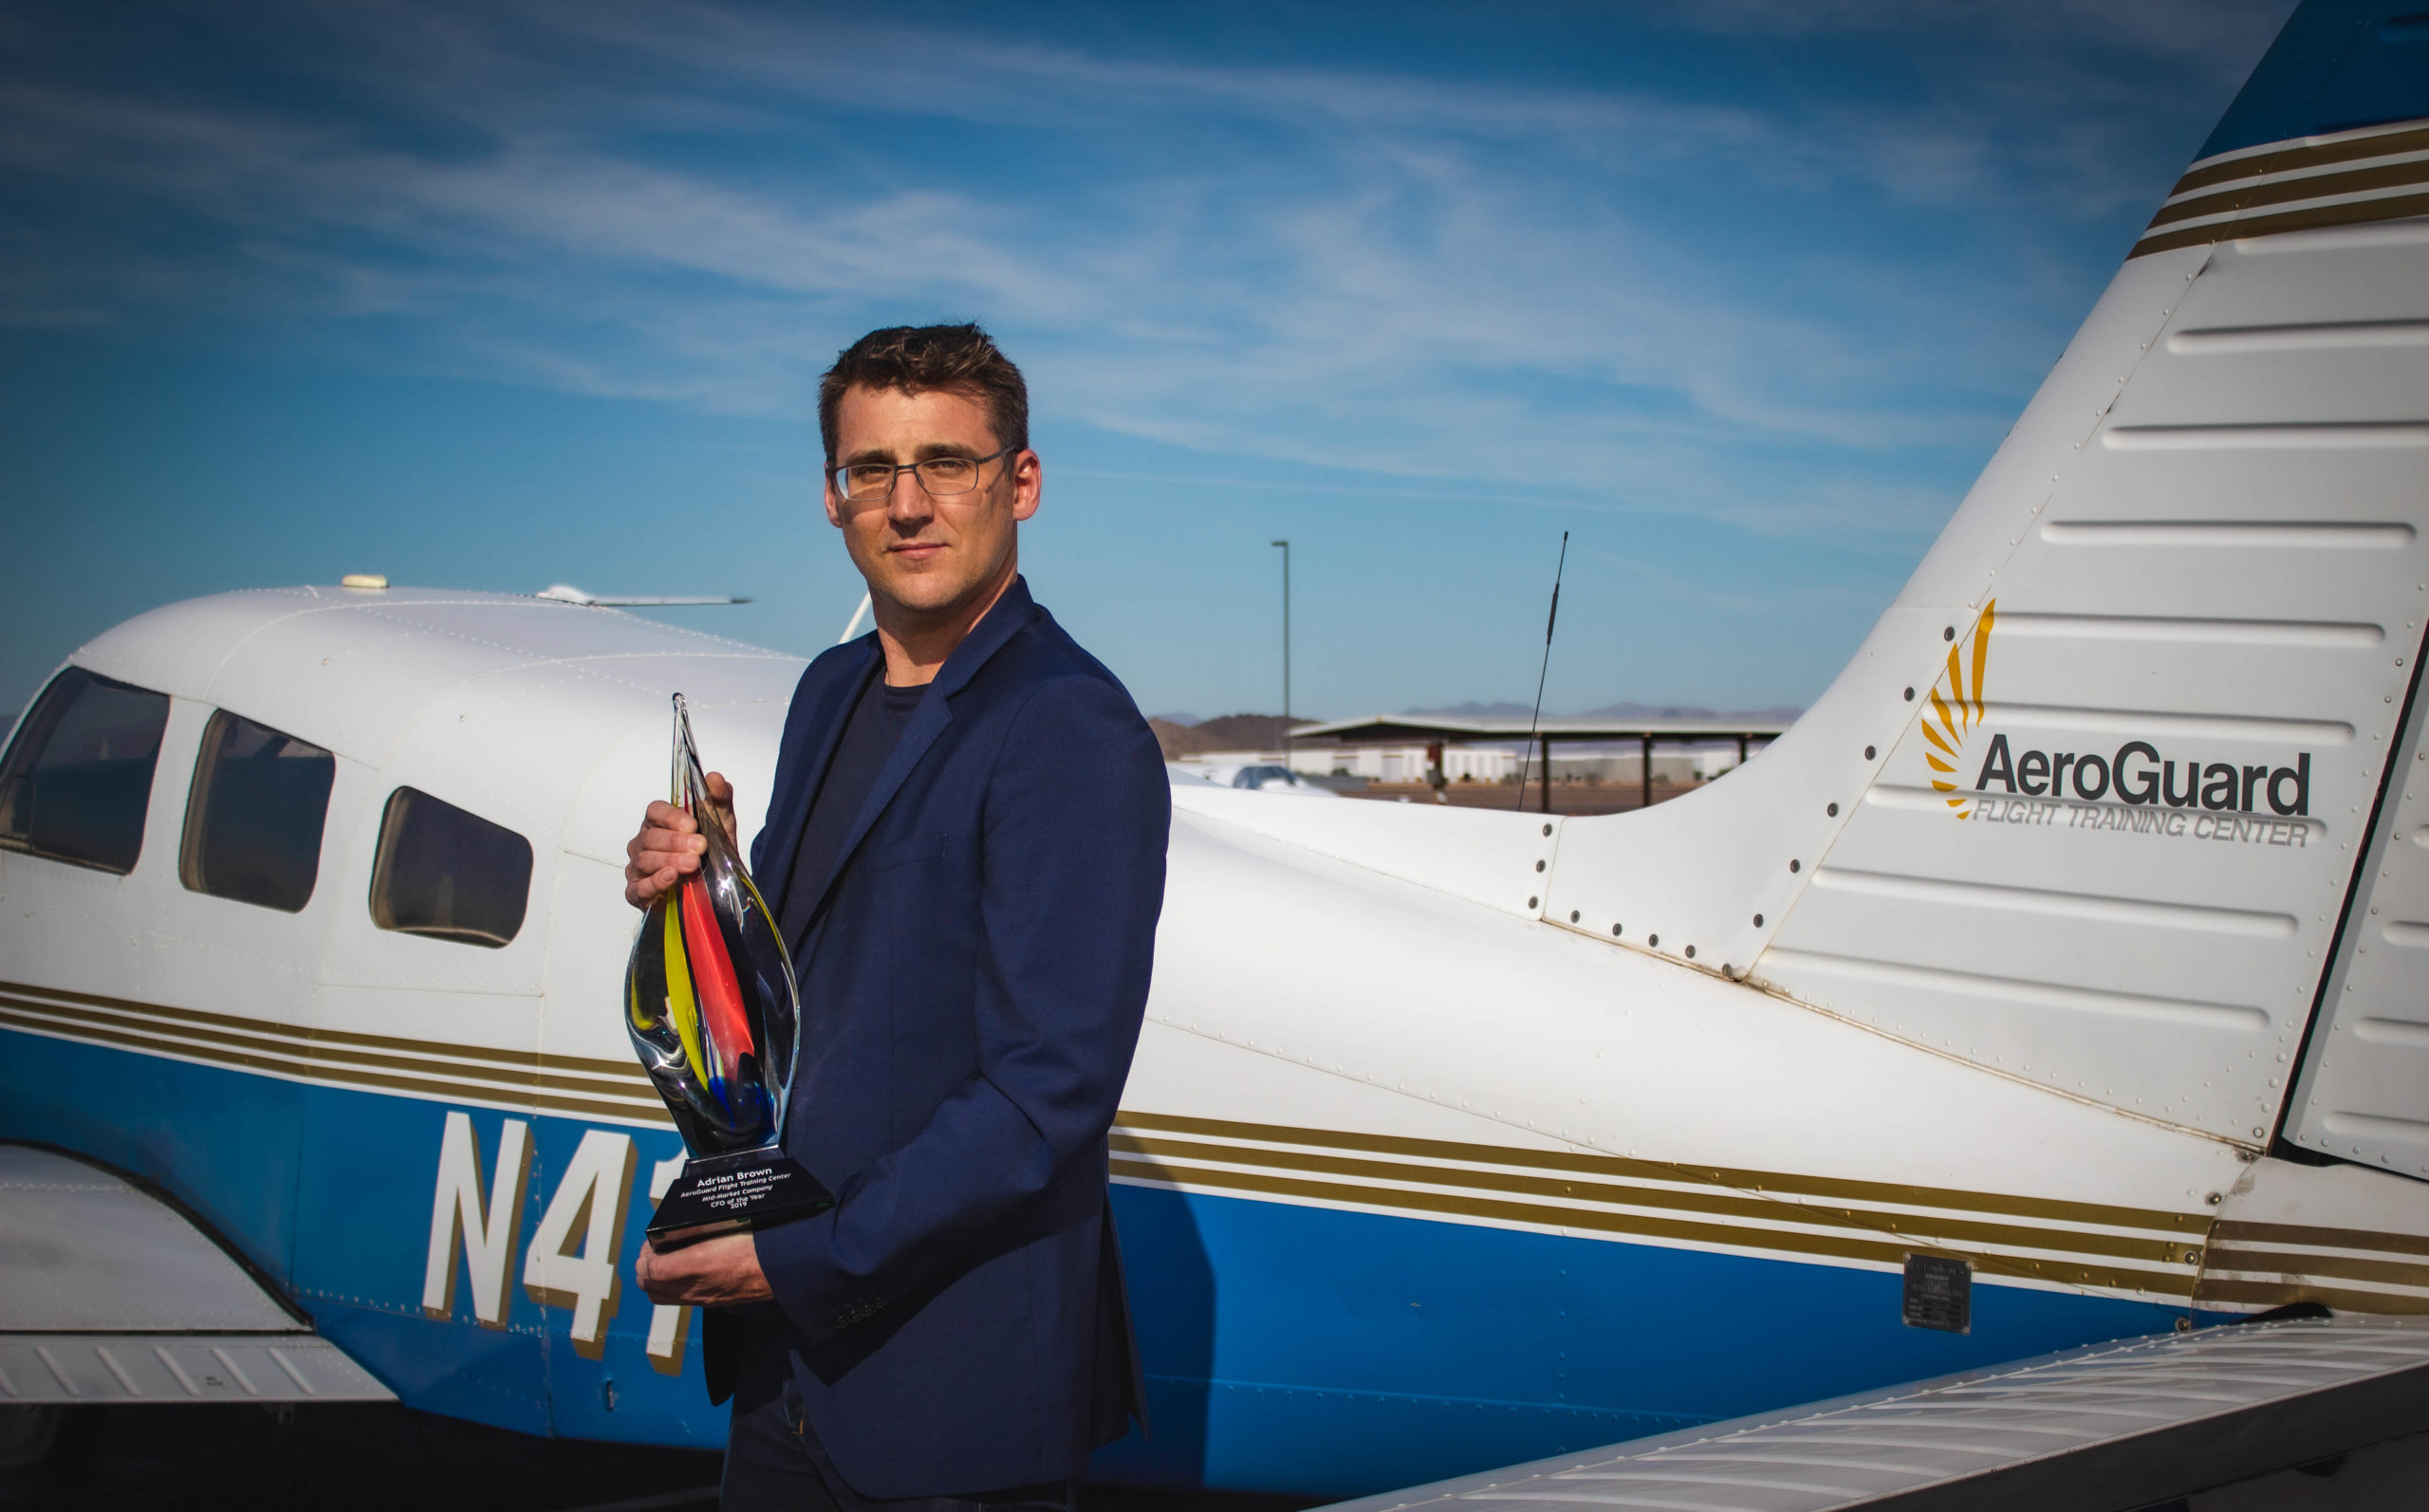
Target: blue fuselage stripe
{"x": 1290, "y": 1348}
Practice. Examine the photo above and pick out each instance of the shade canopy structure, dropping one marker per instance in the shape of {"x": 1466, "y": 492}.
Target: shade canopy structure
{"x": 1395, "y": 729}
{"x": 1379, "y": 728}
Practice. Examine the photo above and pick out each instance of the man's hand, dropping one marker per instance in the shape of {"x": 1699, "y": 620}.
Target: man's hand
{"x": 707, "y": 1272}
{"x": 669, "y": 845}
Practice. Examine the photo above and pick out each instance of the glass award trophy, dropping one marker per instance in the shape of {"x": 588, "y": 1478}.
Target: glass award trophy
{"x": 710, "y": 1002}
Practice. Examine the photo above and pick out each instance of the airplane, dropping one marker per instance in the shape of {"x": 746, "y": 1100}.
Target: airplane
{"x": 2053, "y": 980}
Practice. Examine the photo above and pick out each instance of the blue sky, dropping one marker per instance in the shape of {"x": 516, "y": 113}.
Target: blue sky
{"x": 1742, "y": 294}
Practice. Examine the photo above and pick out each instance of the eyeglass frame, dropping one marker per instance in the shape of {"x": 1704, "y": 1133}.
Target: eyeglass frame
{"x": 835, "y": 475}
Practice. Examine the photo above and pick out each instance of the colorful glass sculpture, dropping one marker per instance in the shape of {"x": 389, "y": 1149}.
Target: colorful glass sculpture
{"x": 710, "y": 999}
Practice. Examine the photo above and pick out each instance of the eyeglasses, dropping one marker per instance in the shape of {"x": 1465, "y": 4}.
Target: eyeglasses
{"x": 867, "y": 482}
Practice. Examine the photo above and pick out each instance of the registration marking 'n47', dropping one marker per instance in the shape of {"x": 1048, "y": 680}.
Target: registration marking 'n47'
{"x": 574, "y": 1258}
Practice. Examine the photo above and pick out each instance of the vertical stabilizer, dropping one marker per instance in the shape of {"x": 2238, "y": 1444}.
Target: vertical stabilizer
{"x": 2089, "y": 806}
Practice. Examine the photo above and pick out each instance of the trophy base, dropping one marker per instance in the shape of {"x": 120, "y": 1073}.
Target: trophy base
{"x": 749, "y": 1189}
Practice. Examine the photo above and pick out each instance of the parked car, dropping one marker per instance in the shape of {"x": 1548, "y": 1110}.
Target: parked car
{"x": 1260, "y": 777}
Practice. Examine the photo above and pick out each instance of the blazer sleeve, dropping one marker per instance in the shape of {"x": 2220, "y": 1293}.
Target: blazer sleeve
{"x": 1078, "y": 810}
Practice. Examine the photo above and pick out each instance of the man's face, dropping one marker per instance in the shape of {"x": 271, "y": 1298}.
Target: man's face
{"x": 929, "y": 554}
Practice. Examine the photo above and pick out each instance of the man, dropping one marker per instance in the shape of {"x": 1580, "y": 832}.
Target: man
{"x": 965, "y": 847}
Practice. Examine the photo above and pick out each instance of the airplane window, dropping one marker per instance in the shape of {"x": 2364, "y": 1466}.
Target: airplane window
{"x": 80, "y": 777}
{"x": 447, "y": 874}
{"x": 254, "y": 818}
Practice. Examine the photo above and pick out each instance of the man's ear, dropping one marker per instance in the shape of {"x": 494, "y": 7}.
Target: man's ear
{"x": 834, "y": 505}
{"x": 1029, "y": 485}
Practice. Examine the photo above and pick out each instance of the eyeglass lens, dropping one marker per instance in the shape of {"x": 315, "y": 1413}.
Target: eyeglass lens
{"x": 939, "y": 475}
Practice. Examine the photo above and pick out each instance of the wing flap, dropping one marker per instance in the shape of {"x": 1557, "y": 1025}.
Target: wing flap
{"x": 101, "y": 1370}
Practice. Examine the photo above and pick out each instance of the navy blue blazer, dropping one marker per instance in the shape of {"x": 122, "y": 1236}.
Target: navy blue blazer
{"x": 972, "y": 983}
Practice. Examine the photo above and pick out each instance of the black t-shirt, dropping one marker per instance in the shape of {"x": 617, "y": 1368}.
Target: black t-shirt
{"x": 871, "y": 732}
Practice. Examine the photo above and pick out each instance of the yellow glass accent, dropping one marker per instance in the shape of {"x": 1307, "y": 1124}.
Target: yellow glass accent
{"x": 679, "y": 1003}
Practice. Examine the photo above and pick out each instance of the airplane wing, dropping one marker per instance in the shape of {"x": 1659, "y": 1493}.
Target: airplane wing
{"x": 108, "y": 1294}
{"x": 2113, "y": 1427}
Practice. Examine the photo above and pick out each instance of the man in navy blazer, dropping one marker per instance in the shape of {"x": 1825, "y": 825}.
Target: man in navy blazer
{"x": 965, "y": 847}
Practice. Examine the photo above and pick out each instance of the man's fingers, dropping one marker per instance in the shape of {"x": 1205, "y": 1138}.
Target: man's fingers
{"x": 653, "y": 874}
{"x": 721, "y": 794}
{"x": 670, "y": 1279}
{"x": 708, "y": 1272}
{"x": 650, "y": 1270}
{"x": 651, "y": 859}
{"x": 662, "y": 815}
{"x": 659, "y": 869}
{"x": 665, "y": 842}
{"x": 669, "y": 846}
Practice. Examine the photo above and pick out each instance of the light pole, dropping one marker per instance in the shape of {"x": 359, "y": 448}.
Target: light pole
{"x": 1286, "y": 651}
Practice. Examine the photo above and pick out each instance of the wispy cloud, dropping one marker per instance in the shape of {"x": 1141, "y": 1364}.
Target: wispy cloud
{"x": 1653, "y": 296}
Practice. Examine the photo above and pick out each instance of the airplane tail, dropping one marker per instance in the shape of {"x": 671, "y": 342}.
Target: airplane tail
{"x": 2126, "y": 795}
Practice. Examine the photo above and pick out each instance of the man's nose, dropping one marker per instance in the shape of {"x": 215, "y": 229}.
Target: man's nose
{"x": 909, "y": 501}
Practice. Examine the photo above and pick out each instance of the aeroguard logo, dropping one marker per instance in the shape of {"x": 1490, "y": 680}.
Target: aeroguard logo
{"x": 1957, "y": 709}
{"x": 2136, "y": 788}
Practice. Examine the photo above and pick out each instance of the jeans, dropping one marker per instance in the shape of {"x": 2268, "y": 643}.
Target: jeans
{"x": 774, "y": 1462}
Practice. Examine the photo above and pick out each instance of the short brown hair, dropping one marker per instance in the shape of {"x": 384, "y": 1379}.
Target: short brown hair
{"x": 958, "y": 359}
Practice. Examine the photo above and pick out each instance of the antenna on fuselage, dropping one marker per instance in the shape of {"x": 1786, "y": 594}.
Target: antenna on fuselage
{"x": 567, "y": 592}
{"x": 1536, "y": 718}
{"x": 852, "y": 626}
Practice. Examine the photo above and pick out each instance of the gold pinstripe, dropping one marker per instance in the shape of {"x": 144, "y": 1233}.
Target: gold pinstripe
{"x": 2289, "y": 159}
{"x": 2279, "y": 1293}
{"x": 1856, "y": 1219}
{"x": 1777, "y": 1217}
{"x": 2252, "y": 183}
{"x": 1838, "y": 1246}
{"x": 2238, "y": 1231}
{"x": 1719, "y": 1203}
{"x": 559, "y": 1083}
{"x": 1623, "y": 1167}
{"x": 2357, "y": 212}
{"x": 1740, "y": 1209}
{"x": 2289, "y": 191}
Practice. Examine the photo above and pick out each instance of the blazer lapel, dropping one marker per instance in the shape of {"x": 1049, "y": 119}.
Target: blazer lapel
{"x": 784, "y": 822}
{"x": 1012, "y": 612}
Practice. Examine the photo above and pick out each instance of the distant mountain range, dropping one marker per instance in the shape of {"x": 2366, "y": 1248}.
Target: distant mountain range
{"x": 1230, "y": 732}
